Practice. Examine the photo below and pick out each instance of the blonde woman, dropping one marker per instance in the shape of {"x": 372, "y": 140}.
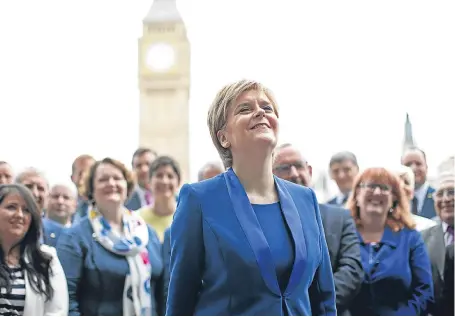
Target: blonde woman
{"x": 406, "y": 176}
{"x": 245, "y": 242}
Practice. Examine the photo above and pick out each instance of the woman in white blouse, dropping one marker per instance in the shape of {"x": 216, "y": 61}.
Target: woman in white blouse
{"x": 32, "y": 281}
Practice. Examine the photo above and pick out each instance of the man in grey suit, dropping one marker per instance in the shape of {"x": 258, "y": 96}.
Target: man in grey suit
{"x": 437, "y": 238}
{"x": 339, "y": 229}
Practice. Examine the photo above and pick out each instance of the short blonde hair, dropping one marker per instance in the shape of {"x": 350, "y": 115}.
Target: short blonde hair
{"x": 407, "y": 172}
{"x": 218, "y": 111}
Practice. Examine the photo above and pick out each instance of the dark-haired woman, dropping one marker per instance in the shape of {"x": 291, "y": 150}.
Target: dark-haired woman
{"x": 32, "y": 281}
{"x": 164, "y": 183}
{"x": 112, "y": 258}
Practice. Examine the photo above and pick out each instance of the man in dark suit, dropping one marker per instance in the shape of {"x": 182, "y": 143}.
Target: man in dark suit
{"x": 141, "y": 196}
{"x": 447, "y": 300}
{"x": 441, "y": 236}
{"x": 343, "y": 168}
{"x": 422, "y": 204}
{"x": 339, "y": 229}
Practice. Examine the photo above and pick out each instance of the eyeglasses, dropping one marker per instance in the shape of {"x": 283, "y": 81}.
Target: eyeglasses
{"x": 286, "y": 168}
{"x": 372, "y": 186}
{"x": 448, "y": 191}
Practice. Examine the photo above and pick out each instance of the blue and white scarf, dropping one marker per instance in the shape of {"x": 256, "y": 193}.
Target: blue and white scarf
{"x": 137, "y": 299}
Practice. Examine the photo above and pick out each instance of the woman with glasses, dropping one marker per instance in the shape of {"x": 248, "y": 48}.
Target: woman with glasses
{"x": 397, "y": 268}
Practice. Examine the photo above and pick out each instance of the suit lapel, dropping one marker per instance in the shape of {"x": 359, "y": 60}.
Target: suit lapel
{"x": 436, "y": 247}
{"x": 256, "y": 238}
{"x": 295, "y": 226}
{"x": 428, "y": 204}
{"x": 252, "y": 229}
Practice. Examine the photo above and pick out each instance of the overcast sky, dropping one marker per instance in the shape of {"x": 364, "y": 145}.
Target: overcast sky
{"x": 344, "y": 73}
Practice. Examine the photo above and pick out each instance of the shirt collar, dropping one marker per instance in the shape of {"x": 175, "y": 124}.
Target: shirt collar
{"x": 421, "y": 192}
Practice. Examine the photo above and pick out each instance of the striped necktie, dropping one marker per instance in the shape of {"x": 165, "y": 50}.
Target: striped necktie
{"x": 450, "y": 235}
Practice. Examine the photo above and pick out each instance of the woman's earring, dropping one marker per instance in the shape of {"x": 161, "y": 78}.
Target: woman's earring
{"x": 390, "y": 210}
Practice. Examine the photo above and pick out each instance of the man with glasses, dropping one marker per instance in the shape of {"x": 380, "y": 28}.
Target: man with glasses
{"x": 437, "y": 238}
{"x": 339, "y": 228}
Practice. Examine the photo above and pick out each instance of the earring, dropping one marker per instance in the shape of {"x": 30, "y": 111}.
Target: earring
{"x": 390, "y": 210}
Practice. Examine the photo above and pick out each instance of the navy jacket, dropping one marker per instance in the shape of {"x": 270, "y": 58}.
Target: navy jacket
{"x": 221, "y": 263}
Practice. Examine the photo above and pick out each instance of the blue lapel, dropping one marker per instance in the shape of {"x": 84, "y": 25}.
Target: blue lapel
{"x": 256, "y": 238}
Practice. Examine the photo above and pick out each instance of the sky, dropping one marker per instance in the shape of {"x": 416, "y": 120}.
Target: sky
{"x": 344, "y": 73}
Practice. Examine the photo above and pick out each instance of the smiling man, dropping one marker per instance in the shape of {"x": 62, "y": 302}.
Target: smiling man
{"x": 437, "y": 238}
{"x": 422, "y": 204}
{"x": 339, "y": 228}
{"x": 343, "y": 168}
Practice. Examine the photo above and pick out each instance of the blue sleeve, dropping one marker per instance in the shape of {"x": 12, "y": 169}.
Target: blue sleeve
{"x": 166, "y": 253}
{"x": 187, "y": 255}
{"x": 422, "y": 282}
{"x": 322, "y": 289}
{"x": 71, "y": 257}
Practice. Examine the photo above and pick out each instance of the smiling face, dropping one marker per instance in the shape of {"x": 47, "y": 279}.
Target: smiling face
{"x": 444, "y": 199}
{"x": 252, "y": 123}
{"x": 378, "y": 197}
{"x": 374, "y": 198}
{"x": 415, "y": 159}
{"x": 109, "y": 186}
{"x": 15, "y": 219}
{"x": 62, "y": 202}
{"x": 164, "y": 182}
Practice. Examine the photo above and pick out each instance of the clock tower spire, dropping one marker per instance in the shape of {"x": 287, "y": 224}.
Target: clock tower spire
{"x": 164, "y": 83}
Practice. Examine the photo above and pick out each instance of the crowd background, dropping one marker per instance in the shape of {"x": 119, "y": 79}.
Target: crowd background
{"x": 75, "y": 116}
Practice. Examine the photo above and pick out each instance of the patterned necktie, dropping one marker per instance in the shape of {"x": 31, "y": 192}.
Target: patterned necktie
{"x": 415, "y": 202}
{"x": 450, "y": 235}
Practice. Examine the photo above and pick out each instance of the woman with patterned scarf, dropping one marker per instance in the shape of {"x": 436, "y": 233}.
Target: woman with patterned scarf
{"x": 112, "y": 258}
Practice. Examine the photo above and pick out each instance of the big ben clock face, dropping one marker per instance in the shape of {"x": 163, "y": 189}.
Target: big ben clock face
{"x": 160, "y": 57}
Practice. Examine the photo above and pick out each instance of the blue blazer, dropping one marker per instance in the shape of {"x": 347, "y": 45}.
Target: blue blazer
{"x": 398, "y": 279}
{"x": 96, "y": 277}
{"x": 221, "y": 263}
{"x": 51, "y": 232}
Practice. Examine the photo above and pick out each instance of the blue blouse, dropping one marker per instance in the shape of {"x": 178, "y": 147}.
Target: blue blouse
{"x": 278, "y": 237}
{"x": 398, "y": 279}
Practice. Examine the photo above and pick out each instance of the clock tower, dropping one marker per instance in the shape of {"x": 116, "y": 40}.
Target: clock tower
{"x": 164, "y": 83}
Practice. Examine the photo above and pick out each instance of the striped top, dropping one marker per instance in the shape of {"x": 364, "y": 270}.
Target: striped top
{"x": 12, "y": 304}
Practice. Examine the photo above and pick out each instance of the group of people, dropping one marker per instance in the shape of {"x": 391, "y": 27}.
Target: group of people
{"x": 249, "y": 238}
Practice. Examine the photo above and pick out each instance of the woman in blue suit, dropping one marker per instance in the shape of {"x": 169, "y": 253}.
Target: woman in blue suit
{"x": 397, "y": 268}
{"x": 246, "y": 242}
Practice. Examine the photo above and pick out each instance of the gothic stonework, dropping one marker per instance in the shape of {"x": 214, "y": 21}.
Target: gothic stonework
{"x": 164, "y": 83}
